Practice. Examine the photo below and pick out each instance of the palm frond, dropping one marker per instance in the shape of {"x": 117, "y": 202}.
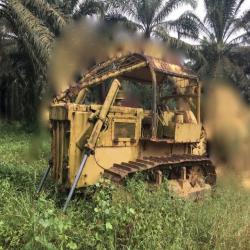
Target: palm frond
{"x": 69, "y": 6}
{"x": 147, "y": 10}
{"x": 177, "y": 44}
{"x": 88, "y": 8}
{"x": 52, "y": 16}
{"x": 187, "y": 25}
{"x": 220, "y": 16}
{"x": 170, "y": 6}
{"x": 31, "y": 31}
{"x": 238, "y": 24}
{"x": 241, "y": 39}
{"x": 148, "y": 15}
{"x": 238, "y": 6}
{"x": 214, "y": 17}
{"x": 233, "y": 23}
{"x": 245, "y": 19}
{"x": 115, "y": 18}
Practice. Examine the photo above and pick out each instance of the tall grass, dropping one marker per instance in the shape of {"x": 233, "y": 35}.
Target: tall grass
{"x": 134, "y": 216}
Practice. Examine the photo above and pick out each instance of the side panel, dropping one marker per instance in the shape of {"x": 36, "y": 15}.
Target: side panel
{"x": 111, "y": 146}
{"x": 105, "y": 157}
{"x": 119, "y": 142}
{"x": 78, "y": 121}
{"x": 161, "y": 149}
{"x": 60, "y": 142}
{"x": 187, "y": 132}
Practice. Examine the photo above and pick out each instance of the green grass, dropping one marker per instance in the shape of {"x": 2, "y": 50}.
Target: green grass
{"x": 107, "y": 216}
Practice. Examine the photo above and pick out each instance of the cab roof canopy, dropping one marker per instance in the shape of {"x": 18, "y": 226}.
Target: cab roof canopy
{"x": 137, "y": 67}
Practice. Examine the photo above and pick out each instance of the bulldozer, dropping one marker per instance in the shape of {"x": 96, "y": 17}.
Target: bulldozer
{"x": 113, "y": 139}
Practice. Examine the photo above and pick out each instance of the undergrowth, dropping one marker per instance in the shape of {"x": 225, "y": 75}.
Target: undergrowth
{"x": 107, "y": 216}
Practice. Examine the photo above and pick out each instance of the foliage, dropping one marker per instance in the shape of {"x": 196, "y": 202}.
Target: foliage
{"x": 88, "y": 7}
{"x": 27, "y": 33}
{"x": 134, "y": 216}
{"x": 148, "y": 15}
{"x": 28, "y": 30}
{"x": 16, "y": 78}
{"x": 51, "y": 15}
{"x": 223, "y": 32}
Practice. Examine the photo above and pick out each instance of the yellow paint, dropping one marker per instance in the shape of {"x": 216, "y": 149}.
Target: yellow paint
{"x": 187, "y": 132}
{"x": 105, "y": 157}
{"x": 116, "y": 136}
{"x": 106, "y": 153}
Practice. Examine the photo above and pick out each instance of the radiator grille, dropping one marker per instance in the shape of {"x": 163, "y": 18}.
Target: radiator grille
{"x": 59, "y": 149}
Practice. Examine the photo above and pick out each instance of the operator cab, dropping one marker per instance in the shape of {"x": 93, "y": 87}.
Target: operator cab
{"x": 168, "y": 93}
{"x": 177, "y": 113}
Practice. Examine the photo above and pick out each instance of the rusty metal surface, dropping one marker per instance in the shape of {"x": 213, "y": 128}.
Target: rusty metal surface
{"x": 117, "y": 64}
{"x": 133, "y": 66}
{"x": 168, "y": 66}
{"x": 120, "y": 171}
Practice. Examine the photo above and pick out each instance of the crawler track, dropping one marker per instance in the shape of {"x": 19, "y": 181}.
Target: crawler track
{"x": 119, "y": 172}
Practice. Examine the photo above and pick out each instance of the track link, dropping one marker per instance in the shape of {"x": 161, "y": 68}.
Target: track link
{"x": 119, "y": 172}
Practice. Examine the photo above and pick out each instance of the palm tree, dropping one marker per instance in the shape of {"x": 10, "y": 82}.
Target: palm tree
{"x": 240, "y": 57}
{"x": 16, "y": 77}
{"x": 222, "y": 32}
{"x": 148, "y": 16}
{"x": 52, "y": 16}
{"x": 27, "y": 44}
{"x": 37, "y": 23}
{"x": 36, "y": 38}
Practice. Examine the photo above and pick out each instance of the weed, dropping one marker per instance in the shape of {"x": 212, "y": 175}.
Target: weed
{"x": 133, "y": 216}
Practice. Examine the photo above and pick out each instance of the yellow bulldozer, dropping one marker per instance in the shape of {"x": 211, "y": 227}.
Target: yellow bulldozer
{"x": 114, "y": 138}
